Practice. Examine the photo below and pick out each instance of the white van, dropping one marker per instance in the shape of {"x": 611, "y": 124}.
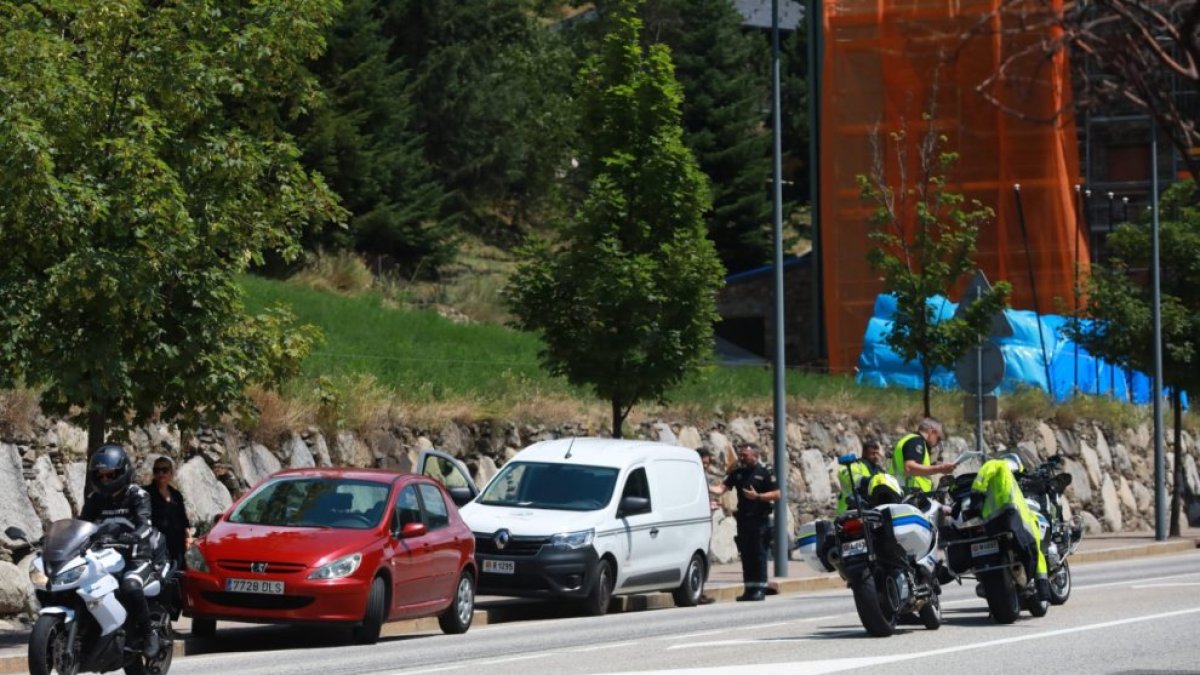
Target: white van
{"x": 585, "y": 518}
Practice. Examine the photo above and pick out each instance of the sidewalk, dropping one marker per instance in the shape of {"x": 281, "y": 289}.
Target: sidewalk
{"x": 724, "y": 585}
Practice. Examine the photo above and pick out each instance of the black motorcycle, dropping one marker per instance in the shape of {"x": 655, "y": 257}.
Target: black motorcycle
{"x": 1045, "y": 486}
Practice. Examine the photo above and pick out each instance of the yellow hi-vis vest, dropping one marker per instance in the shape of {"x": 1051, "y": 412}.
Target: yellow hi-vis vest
{"x": 848, "y": 478}
{"x": 1001, "y": 491}
{"x": 922, "y": 483}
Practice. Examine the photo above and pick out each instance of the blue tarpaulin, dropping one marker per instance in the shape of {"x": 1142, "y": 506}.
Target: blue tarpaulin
{"x": 1071, "y": 367}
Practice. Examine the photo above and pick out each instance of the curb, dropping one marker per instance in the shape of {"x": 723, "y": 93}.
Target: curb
{"x": 503, "y": 613}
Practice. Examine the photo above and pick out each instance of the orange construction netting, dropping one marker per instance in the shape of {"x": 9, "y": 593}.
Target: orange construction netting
{"x": 885, "y": 62}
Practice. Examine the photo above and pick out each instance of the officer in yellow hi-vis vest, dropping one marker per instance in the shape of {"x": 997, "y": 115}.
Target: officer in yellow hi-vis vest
{"x": 851, "y": 477}
{"x": 1003, "y": 499}
{"x": 910, "y": 458}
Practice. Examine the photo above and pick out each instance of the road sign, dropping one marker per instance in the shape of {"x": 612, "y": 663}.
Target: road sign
{"x": 991, "y": 407}
{"x": 968, "y": 370}
{"x": 976, "y": 288}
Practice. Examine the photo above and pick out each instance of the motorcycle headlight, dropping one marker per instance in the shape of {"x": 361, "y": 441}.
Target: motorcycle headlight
{"x": 342, "y": 567}
{"x": 572, "y": 541}
{"x": 37, "y": 576}
{"x": 195, "y": 559}
{"x": 68, "y": 577}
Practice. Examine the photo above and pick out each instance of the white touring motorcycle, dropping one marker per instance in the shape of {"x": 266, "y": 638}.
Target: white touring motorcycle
{"x": 886, "y": 551}
{"x": 82, "y": 624}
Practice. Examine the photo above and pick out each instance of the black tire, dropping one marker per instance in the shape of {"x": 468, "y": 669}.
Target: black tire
{"x": 931, "y": 613}
{"x": 457, "y": 617}
{"x": 689, "y": 592}
{"x": 136, "y": 666}
{"x": 161, "y": 663}
{"x": 367, "y": 632}
{"x": 596, "y": 603}
{"x": 48, "y": 651}
{"x": 1060, "y": 585}
{"x": 203, "y": 628}
{"x": 878, "y": 621}
{"x": 1035, "y": 607}
{"x": 1001, "y": 596}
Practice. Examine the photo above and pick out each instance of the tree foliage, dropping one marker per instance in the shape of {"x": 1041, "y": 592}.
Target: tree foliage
{"x": 363, "y": 140}
{"x": 1116, "y": 320}
{"x": 491, "y": 90}
{"x": 626, "y": 304}
{"x": 143, "y": 165}
{"x": 725, "y": 95}
{"x": 926, "y": 235}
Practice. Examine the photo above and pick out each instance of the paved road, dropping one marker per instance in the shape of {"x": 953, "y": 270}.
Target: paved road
{"x": 1141, "y": 614}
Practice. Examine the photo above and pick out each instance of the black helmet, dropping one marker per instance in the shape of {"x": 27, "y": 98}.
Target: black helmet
{"x": 110, "y": 471}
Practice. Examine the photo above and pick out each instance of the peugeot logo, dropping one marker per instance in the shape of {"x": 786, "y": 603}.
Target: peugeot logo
{"x": 258, "y": 568}
{"x": 502, "y": 538}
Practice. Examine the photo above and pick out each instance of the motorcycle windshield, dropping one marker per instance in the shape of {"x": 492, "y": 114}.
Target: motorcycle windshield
{"x": 64, "y": 540}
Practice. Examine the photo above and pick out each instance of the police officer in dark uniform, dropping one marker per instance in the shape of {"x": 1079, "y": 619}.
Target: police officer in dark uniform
{"x": 122, "y": 508}
{"x": 756, "y": 493}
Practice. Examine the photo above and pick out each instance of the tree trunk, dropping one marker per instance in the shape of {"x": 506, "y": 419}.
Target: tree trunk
{"x": 617, "y": 418}
{"x": 1179, "y": 487}
{"x": 95, "y": 429}
{"x": 926, "y": 376}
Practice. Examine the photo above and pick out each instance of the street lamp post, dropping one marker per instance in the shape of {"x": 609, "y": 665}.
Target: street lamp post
{"x": 781, "y": 455}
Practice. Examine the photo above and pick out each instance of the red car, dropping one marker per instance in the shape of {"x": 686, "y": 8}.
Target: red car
{"x": 357, "y": 547}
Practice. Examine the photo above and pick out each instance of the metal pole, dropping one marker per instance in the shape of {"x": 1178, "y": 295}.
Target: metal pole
{"x": 1075, "y": 285}
{"x": 979, "y": 385}
{"x": 1160, "y": 472}
{"x": 781, "y": 455}
{"x": 1037, "y": 312}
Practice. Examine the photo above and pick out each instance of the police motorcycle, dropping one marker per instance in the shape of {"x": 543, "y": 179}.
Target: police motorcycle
{"x": 885, "y": 549}
{"x": 988, "y": 551}
{"x": 1044, "y": 488}
{"x": 82, "y": 625}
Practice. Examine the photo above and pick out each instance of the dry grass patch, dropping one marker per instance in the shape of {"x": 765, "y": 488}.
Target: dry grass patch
{"x": 276, "y": 416}
{"x": 19, "y": 409}
{"x": 342, "y": 272}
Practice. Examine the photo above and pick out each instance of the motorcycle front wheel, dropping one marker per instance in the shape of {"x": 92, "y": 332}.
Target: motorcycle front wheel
{"x": 1060, "y": 585}
{"x": 1001, "y": 595}
{"x": 49, "y": 651}
{"x": 878, "y": 621}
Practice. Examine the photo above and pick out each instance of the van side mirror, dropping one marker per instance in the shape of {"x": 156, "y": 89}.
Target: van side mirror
{"x": 460, "y": 495}
{"x": 632, "y": 506}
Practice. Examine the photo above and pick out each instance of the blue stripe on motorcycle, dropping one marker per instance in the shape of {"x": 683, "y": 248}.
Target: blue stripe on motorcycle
{"x": 913, "y": 520}
{"x": 806, "y": 540}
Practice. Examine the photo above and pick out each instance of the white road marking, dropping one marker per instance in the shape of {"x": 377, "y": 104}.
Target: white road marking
{"x": 427, "y": 670}
{"x": 838, "y": 665}
{"x": 607, "y": 646}
{"x": 1171, "y": 585}
{"x": 510, "y": 659}
{"x": 692, "y": 635}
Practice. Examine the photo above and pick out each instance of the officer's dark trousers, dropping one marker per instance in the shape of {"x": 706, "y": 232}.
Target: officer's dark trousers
{"x": 753, "y": 537}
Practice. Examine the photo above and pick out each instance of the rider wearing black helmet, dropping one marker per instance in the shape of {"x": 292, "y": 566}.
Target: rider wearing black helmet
{"x": 118, "y": 505}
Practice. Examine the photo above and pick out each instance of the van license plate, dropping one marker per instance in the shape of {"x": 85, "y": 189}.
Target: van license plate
{"x": 254, "y": 586}
{"x": 499, "y": 567}
{"x": 858, "y": 547}
{"x": 985, "y": 548}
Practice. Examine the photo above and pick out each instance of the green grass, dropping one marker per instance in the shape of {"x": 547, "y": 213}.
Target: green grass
{"x": 417, "y": 353}
{"x": 379, "y": 355}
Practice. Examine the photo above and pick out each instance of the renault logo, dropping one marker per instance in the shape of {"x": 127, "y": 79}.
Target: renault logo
{"x": 502, "y": 538}
{"x": 258, "y": 568}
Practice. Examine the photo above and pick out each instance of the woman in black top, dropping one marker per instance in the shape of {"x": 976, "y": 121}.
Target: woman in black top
{"x": 168, "y": 511}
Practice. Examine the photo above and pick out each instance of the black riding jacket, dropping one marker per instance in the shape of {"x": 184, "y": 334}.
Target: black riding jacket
{"x": 133, "y": 505}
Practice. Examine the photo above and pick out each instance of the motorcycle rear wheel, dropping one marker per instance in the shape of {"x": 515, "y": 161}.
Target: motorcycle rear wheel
{"x": 878, "y": 621}
{"x": 1001, "y": 596}
{"x": 1060, "y": 585}
{"x": 48, "y": 648}
{"x": 931, "y": 613}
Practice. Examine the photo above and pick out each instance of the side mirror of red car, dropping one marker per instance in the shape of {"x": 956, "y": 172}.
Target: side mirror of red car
{"x": 411, "y": 530}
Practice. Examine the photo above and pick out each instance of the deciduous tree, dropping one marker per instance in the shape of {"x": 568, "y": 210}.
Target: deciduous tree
{"x": 626, "y": 304}
{"x": 925, "y": 235}
{"x": 1116, "y": 324}
{"x": 143, "y": 164}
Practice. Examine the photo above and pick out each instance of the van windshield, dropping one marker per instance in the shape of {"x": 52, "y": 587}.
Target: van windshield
{"x": 561, "y": 487}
